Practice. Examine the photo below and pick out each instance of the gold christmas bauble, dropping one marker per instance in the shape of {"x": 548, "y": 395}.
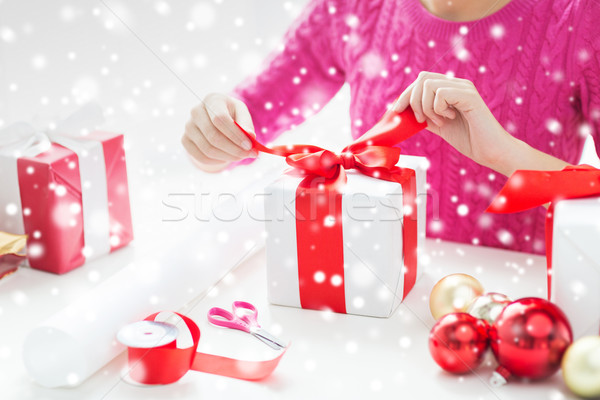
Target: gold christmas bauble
{"x": 581, "y": 367}
{"x": 453, "y": 293}
{"x": 488, "y": 306}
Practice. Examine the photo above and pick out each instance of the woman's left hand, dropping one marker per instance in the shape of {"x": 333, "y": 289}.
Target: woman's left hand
{"x": 454, "y": 110}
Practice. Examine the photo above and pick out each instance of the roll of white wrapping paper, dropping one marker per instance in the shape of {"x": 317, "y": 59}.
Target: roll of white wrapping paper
{"x": 79, "y": 340}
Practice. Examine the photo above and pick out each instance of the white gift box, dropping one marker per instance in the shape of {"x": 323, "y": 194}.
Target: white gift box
{"x": 372, "y": 224}
{"x": 575, "y": 280}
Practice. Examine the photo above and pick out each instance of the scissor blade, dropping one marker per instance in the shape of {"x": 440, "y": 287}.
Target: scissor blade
{"x": 269, "y": 339}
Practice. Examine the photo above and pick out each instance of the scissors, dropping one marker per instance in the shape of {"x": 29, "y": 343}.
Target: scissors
{"x": 243, "y": 318}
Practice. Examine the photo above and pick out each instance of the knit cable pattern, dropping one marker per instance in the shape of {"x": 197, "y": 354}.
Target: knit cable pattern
{"x": 536, "y": 63}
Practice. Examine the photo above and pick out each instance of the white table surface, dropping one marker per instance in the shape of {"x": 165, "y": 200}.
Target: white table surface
{"x": 331, "y": 356}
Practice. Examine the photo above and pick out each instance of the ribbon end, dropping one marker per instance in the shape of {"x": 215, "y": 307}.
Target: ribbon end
{"x": 391, "y": 129}
{"x": 498, "y": 205}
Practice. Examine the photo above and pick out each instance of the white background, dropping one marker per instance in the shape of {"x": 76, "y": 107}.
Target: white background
{"x": 147, "y": 68}
{"x": 147, "y": 63}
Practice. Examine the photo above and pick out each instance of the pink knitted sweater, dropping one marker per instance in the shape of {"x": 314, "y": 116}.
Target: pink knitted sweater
{"x": 536, "y": 63}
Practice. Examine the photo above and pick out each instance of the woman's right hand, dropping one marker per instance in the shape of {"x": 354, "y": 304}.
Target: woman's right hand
{"x": 211, "y": 137}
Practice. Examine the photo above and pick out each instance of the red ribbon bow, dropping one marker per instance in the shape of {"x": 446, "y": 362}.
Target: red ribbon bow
{"x": 372, "y": 154}
{"x": 320, "y": 249}
{"x": 528, "y": 189}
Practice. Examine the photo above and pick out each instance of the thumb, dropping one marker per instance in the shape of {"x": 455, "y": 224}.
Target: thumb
{"x": 432, "y": 127}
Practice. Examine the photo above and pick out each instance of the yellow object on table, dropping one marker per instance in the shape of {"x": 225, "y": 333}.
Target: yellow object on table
{"x": 453, "y": 293}
{"x": 12, "y": 244}
{"x": 581, "y": 367}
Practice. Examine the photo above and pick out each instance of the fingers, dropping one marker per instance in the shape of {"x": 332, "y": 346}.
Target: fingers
{"x": 221, "y": 111}
{"x": 211, "y": 137}
{"x": 427, "y": 99}
{"x": 430, "y": 94}
{"x": 448, "y": 100}
{"x": 242, "y": 116}
{"x": 404, "y": 99}
{"x": 199, "y": 139}
{"x": 196, "y": 154}
{"x": 423, "y": 97}
{"x": 414, "y": 93}
{"x": 415, "y": 101}
{"x": 214, "y": 140}
{"x": 443, "y": 102}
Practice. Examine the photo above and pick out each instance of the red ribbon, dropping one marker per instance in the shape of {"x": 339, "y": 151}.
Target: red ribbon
{"x": 167, "y": 364}
{"x": 528, "y": 189}
{"x": 318, "y": 198}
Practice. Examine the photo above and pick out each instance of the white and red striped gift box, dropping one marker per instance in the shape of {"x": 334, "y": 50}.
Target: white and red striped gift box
{"x": 68, "y": 193}
{"x": 368, "y": 275}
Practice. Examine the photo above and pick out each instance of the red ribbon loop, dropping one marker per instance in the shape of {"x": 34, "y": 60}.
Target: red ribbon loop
{"x": 528, "y": 189}
{"x": 321, "y": 250}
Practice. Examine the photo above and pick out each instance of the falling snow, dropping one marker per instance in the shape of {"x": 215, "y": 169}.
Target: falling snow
{"x": 162, "y": 8}
{"x": 497, "y": 31}
{"x": 554, "y": 126}
{"x": 152, "y": 95}
{"x": 372, "y": 64}
{"x": 11, "y": 209}
{"x": 505, "y": 237}
{"x": 7, "y": 34}
{"x": 462, "y": 210}
{"x": 352, "y": 21}
{"x": 319, "y": 277}
{"x": 203, "y": 15}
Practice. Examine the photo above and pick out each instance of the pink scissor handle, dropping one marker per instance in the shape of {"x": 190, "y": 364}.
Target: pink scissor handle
{"x": 248, "y": 314}
{"x": 220, "y": 317}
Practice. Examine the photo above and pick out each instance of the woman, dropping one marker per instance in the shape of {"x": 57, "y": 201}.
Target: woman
{"x": 509, "y": 84}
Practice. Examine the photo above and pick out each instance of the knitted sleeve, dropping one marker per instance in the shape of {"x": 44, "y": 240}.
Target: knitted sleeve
{"x": 586, "y": 54}
{"x": 300, "y": 77}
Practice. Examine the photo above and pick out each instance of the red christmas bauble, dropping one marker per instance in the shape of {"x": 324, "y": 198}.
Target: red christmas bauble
{"x": 530, "y": 337}
{"x": 458, "y": 342}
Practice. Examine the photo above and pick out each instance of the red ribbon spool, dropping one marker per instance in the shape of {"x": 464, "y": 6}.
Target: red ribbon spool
{"x": 167, "y": 364}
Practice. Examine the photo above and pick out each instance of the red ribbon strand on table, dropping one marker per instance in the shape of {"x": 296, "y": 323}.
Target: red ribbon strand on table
{"x": 319, "y": 198}
{"x": 529, "y": 189}
{"x": 167, "y": 364}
